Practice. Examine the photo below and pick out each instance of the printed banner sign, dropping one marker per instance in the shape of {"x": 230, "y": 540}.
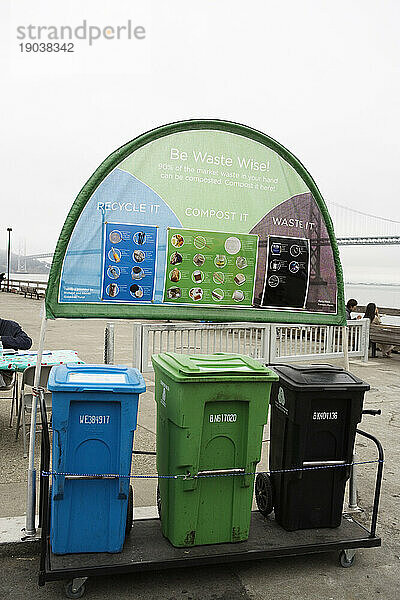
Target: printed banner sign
{"x": 200, "y": 219}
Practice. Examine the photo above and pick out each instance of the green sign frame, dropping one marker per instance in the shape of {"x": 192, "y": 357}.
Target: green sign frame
{"x": 57, "y": 309}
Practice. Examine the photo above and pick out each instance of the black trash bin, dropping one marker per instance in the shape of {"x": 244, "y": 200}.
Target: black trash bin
{"x": 314, "y": 414}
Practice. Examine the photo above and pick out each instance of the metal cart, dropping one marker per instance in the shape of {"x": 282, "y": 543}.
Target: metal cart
{"x": 147, "y": 550}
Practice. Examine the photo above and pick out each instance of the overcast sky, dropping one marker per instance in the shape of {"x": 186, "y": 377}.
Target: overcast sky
{"x": 320, "y": 76}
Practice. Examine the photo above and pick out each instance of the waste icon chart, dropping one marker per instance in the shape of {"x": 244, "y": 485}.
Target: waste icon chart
{"x": 199, "y": 220}
{"x": 287, "y": 278}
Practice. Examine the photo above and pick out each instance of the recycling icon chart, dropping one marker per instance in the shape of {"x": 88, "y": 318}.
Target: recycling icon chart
{"x": 199, "y": 219}
{"x": 129, "y": 262}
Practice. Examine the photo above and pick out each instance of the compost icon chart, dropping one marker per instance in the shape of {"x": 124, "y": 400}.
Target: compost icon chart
{"x": 210, "y": 267}
{"x": 129, "y": 262}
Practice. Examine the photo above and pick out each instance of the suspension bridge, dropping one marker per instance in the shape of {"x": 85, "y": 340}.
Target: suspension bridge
{"x": 357, "y": 228}
{"x": 352, "y": 228}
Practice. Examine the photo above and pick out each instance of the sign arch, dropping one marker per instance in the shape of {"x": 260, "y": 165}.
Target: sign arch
{"x": 200, "y": 219}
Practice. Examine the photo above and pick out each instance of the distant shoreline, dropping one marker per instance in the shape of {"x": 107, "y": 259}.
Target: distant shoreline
{"x": 394, "y": 312}
{"x": 31, "y": 276}
{"x": 375, "y": 284}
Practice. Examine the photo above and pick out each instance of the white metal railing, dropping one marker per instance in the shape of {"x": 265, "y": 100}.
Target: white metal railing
{"x": 309, "y": 342}
{"x": 267, "y": 343}
{"x": 199, "y": 338}
{"x": 25, "y": 286}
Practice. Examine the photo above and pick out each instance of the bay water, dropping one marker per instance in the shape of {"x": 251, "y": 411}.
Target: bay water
{"x": 383, "y": 294}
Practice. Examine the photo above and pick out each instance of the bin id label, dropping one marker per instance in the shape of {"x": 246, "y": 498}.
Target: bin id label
{"x": 325, "y": 416}
{"x": 164, "y": 394}
{"x": 223, "y": 418}
{"x": 281, "y": 401}
{"x": 94, "y": 419}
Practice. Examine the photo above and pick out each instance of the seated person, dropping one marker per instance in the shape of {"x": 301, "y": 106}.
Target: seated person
{"x": 12, "y": 337}
{"x": 350, "y": 308}
{"x": 372, "y": 313}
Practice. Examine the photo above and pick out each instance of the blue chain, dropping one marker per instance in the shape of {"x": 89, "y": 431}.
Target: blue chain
{"x": 189, "y": 476}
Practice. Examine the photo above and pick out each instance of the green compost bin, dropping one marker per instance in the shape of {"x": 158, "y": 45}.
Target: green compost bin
{"x": 211, "y": 411}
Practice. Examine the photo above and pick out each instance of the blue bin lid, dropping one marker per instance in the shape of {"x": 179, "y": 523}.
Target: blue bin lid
{"x": 91, "y": 378}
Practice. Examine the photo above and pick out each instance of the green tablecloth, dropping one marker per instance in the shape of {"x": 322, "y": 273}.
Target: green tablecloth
{"x": 23, "y": 359}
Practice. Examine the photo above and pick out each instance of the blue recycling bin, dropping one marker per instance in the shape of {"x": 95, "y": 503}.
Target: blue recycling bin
{"x": 94, "y": 419}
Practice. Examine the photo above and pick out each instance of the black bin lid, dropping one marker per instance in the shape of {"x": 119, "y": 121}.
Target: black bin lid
{"x": 319, "y": 377}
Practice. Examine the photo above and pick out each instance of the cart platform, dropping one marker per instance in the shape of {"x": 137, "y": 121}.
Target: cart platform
{"x": 146, "y": 549}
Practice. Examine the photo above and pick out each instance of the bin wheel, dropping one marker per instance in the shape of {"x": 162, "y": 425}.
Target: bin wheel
{"x": 129, "y": 513}
{"x": 71, "y": 594}
{"x": 158, "y": 502}
{"x": 264, "y": 494}
{"x": 345, "y": 560}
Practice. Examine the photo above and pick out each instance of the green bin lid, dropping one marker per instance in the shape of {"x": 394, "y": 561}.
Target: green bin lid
{"x": 211, "y": 365}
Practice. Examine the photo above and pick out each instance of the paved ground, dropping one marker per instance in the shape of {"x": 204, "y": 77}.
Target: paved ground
{"x": 374, "y": 575}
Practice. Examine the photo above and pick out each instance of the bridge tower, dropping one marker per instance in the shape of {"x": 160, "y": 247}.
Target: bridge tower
{"x": 315, "y": 246}
{"x": 21, "y": 265}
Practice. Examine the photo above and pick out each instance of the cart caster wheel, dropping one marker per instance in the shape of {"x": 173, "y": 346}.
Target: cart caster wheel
{"x": 264, "y": 494}
{"x": 129, "y": 514}
{"x": 158, "y": 502}
{"x": 346, "y": 559}
{"x": 71, "y": 594}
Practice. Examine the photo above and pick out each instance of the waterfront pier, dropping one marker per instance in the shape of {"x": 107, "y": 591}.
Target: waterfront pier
{"x": 375, "y": 573}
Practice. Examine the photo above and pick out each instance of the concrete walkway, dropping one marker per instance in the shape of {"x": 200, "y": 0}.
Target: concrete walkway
{"x": 374, "y": 575}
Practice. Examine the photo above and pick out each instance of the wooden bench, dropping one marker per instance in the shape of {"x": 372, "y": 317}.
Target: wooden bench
{"x": 384, "y": 334}
{"x": 32, "y": 291}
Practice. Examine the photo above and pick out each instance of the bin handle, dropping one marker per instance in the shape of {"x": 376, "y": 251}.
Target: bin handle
{"x": 220, "y": 472}
{"x": 323, "y": 463}
{"x": 321, "y": 368}
{"x": 91, "y": 476}
{"x": 315, "y": 369}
